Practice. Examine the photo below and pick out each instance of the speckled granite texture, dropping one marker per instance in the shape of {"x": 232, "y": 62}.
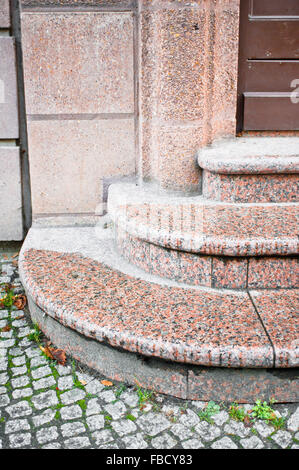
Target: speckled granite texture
{"x": 203, "y": 327}
{"x": 250, "y": 188}
{"x": 200, "y": 226}
{"x": 211, "y": 271}
{"x": 188, "y": 85}
{"x": 260, "y": 155}
{"x": 251, "y": 170}
{"x": 206, "y": 328}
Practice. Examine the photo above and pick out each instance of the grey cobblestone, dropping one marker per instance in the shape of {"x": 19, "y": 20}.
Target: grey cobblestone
{"x": 95, "y": 422}
{"x": 93, "y": 407}
{"x": 20, "y": 382}
{"x": 72, "y": 396}
{"x": 47, "y": 434}
{"x": 116, "y": 410}
{"x": 41, "y": 372}
{"x": 22, "y": 408}
{"x": 17, "y": 425}
{"x": 163, "y": 442}
{"x": 207, "y": 432}
{"x": 22, "y": 392}
{"x": 224, "y": 443}
{"x": 282, "y": 438}
{"x": 71, "y": 412}
{"x": 38, "y": 361}
{"x": 4, "y": 400}
{"x": 252, "y": 443}
{"x": 43, "y": 383}
{"x": 3, "y": 379}
{"x": 192, "y": 444}
{"x": 77, "y": 443}
{"x": 45, "y": 417}
{"x": 45, "y": 399}
{"x": 293, "y": 422}
{"x": 123, "y": 427}
{"x": 52, "y": 445}
{"x": 65, "y": 383}
{"x": 153, "y": 424}
{"x": 42, "y": 406}
{"x": 72, "y": 429}
{"x": 18, "y": 370}
{"x": 20, "y": 440}
{"x": 135, "y": 442}
{"x": 102, "y": 437}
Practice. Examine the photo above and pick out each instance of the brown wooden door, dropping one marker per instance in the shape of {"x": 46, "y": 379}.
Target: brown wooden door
{"x": 268, "y": 91}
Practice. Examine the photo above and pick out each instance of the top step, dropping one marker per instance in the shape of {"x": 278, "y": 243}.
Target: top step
{"x": 250, "y": 170}
{"x": 248, "y": 155}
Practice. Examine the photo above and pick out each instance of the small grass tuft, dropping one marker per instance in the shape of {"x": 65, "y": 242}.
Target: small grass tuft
{"x": 35, "y": 334}
{"x": 207, "y": 413}
{"x": 236, "y": 412}
{"x": 144, "y": 395}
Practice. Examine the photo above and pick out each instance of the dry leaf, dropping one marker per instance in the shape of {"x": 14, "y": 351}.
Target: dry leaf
{"x": 247, "y": 420}
{"x": 20, "y": 301}
{"x": 15, "y": 255}
{"x": 6, "y": 328}
{"x": 55, "y": 354}
{"x": 107, "y": 383}
{"x": 83, "y": 382}
{"x": 46, "y": 351}
{"x": 59, "y": 355}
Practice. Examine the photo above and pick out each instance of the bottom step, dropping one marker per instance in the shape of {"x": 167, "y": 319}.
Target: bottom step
{"x": 189, "y": 342}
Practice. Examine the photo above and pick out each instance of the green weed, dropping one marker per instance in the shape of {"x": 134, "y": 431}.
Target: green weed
{"x": 207, "y": 413}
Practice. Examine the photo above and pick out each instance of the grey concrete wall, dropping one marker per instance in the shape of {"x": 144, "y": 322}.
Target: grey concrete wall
{"x": 11, "y": 225}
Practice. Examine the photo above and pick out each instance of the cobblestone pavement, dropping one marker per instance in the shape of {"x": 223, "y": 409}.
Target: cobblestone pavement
{"x": 46, "y": 405}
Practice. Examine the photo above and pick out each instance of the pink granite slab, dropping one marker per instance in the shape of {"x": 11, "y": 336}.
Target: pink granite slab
{"x": 218, "y": 228}
{"x": 279, "y": 311}
{"x": 203, "y": 327}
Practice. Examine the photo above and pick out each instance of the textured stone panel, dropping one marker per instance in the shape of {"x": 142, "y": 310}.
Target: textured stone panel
{"x": 4, "y": 14}
{"x": 229, "y": 273}
{"x": 9, "y": 128}
{"x": 267, "y": 273}
{"x": 68, "y": 160}
{"x": 242, "y": 385}
{"x": 75, "y": 3}
{"x": 188, "y": 85}
{"x": 78, "y": 63}
{"x": 279, "y": 313}
{"x": 183, "y": 325}
{"x": 10, "y": 194}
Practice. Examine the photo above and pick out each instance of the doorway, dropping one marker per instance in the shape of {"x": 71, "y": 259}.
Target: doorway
{"x": 268, "y": 86}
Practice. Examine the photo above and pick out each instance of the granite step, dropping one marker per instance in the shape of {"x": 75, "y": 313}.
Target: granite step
{"x": 251, "y": 170}
{"x": 76, "y": 282}
{"x": 199, "y": 225}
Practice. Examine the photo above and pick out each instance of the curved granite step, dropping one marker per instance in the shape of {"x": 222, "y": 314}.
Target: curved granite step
{"x": 220, "y": 272}
{"x": 197, "y": 225}
{"x": 251, "y": 170}
{"x": 197, "y": 327}
{"x": 209, "y": 342}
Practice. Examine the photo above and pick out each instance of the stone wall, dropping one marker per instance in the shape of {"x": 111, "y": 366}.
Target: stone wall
{"x": 123, "y": 88}
{"x": 80, "y": 104}
{"x": 11, "y": 225}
